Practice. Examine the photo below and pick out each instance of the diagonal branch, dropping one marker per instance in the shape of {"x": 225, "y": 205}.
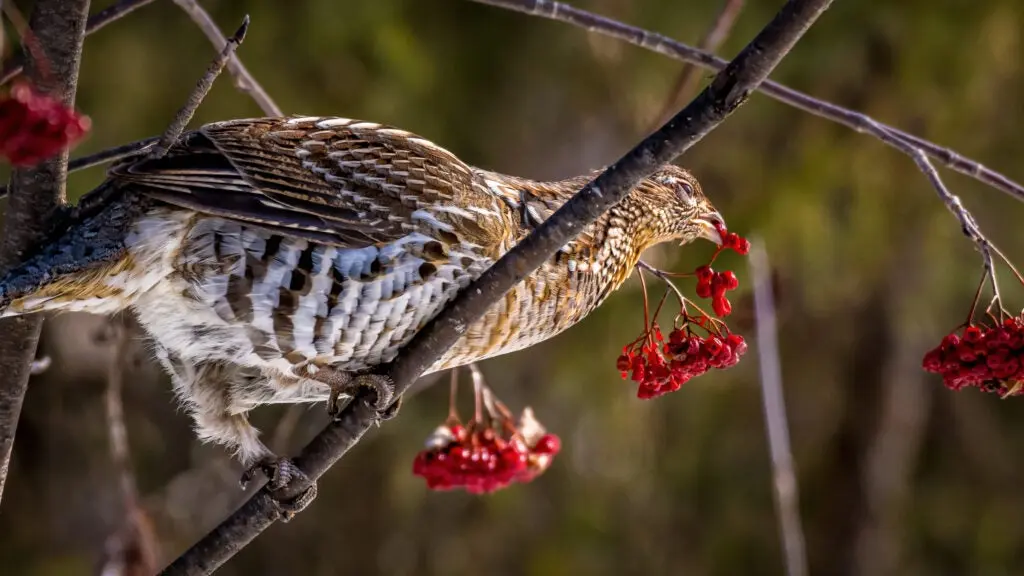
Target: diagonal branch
{"x": 726, "y": 93}
{"x": 664, "y": 45}
{"x": 195, "y": 98}
{"x": 243, "y": 78}
{"x": 59, "y": 26}
{"x": 686, "y": 83}
{"x": 16, "y": 65}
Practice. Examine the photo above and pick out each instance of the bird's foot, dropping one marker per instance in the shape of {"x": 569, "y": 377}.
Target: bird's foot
{"x": 381, "y": 387}
{"x": 282, "y": 474}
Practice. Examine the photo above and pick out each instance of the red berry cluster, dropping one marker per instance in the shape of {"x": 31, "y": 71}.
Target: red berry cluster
{"x": 714, "y": 285}
{"x": 35, "y": 126}
{"x": 733, "y": 242}
{"x": 659, "y": 367}
{"x": 986, "y": 357}
{"x": 480, "y": 461}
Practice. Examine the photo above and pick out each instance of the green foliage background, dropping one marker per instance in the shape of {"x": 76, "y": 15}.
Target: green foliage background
{"x": 896, "y": 474}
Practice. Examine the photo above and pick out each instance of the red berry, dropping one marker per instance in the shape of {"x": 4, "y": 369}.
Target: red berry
{"x": 932, "y": 361}
{"x": 721, "y": 306}
{"x": 740, "y": 245}
{"x": 729, "y": 280}
{"x": 972, "y": 334}
{"x": 548, "y": 444}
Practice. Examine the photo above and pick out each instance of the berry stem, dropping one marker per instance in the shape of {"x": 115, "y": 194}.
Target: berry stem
{"x": 665, "y": 277}
{"x": 453, "y": 410}
{"x": 478, "y": 396}
{"x": 643, "y": 284}
{"x": 1007, "y": 262}
{"x": 996, "y": 299}
{"x": 977, "y": 297}
{"x": 683, "y": 300}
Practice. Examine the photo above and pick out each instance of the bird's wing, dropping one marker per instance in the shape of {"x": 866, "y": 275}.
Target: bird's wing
{"x": 331, "y": 180}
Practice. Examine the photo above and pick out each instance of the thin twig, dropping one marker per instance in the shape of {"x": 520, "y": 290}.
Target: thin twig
{"x": 968, "y": 224}
{"x": 16, "y": 65}
{"x": 787, "y": 504}
{"x": 109, "y": 155}
{"x": 244, "y": 80}
{"x": 59, "y": 25}
{"x": 719, "y": 100}
{"x": 679, "y": 51}
{"x": 686, "y": 83}
{"x": 104, "y": 157}
{"x": 184, "y": 115}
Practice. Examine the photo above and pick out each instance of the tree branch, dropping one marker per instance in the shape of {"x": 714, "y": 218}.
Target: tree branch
{"x": 243, "y": 79}
{"x": 195, "y": 98}
{"x": 787, "y": 500}
{"x": 59, "y": 26}
{"x": 688, "y": 78}
{"x": 726, "y": 93}
{"x": 679, "y": 51}
{"x": 16, "y": 65}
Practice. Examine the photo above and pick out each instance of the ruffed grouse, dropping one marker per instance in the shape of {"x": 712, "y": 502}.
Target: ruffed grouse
{"x": 269, "y": 259}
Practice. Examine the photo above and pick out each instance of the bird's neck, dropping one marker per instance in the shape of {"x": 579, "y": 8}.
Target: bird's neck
{"x": 603, "y": 256}
{"x": 606, "y": 251}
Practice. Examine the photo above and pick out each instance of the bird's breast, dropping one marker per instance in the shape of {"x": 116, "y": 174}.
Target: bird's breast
{"x": 287, "y": 301}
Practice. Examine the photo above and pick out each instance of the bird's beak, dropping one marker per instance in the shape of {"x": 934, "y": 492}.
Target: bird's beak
{"x": 710, "y": 226}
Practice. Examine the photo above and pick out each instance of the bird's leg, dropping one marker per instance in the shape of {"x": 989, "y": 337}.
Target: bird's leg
{"x": 209, "y": 389}
{"x": 347, "y": 384}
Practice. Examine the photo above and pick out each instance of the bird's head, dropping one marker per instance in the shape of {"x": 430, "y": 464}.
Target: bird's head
{"x": 675, "y": 209}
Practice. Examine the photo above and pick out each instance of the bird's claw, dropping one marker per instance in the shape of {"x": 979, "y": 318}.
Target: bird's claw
{"x": 383, "y": 394}
{"x": 282, "y": 473}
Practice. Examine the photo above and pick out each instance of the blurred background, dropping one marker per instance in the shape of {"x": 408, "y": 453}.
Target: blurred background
{"x": 897, "y": 475}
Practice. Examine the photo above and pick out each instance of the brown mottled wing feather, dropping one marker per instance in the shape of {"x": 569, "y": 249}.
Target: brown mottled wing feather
{"x": 330, "y": 180}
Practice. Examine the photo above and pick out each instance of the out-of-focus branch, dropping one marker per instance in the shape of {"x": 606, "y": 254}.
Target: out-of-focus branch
{"x": 243, "y": 78}
{"x": 131, "y": 550}
{"x": 721, "y": 98}
{"x": 889, "y": 461}
{"x": 679, "y": 51}
{"x": 787, "y": 500}
{"x": 59, "y": 27}
{"x": 686, "y": 83}
{"x": 16, "y": 65}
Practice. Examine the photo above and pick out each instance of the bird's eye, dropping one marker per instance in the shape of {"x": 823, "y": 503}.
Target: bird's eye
{"x": 687, "y": 190}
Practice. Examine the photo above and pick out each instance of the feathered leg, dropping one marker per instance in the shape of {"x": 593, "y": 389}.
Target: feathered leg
{"x": 208, "y": 390}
